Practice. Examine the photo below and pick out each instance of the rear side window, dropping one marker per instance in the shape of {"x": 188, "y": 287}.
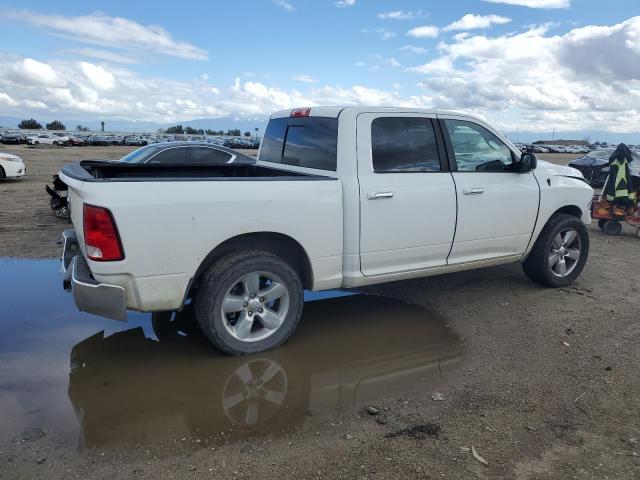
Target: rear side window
{"x": 209, "y": 155}
{"x": 404, "y": 144}
{"x": 310, "y": 142}
{"x": 171, "y": 155}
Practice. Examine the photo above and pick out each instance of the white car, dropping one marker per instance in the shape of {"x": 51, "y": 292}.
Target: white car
{"x": 339, "y": 198}
{"x": 11, "y": 166}
{"x": 45, "y": 139}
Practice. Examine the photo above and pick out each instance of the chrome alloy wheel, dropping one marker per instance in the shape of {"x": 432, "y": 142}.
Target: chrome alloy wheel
{"x": 564, "y": 253}
{"x": 255, "y": 306}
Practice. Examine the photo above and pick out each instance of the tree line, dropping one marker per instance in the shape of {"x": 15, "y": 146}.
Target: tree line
{"x": 33, "y": 124}
{"x": 180, "y": 130}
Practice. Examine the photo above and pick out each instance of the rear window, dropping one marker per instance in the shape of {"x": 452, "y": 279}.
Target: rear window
{"x": 310, "y": 142}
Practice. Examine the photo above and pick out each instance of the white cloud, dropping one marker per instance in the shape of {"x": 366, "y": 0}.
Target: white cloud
{"x": 98, "y": 76}
{"x": 427, "y": 31}
{"x": 285, "y": 5}
{"x": 383, "y": 32}
{"x": 304, "y": 78}
{"x": 588, "y": 78}
{"x": 535, "y": 3}
{"x": 393, "y": 62}
{"x": 471, "y": 22}
{"x": 534, "y": 80}
{"x": 345, "y": 3}
{"x": 79, "y": 92}
{"x": 114, "y": 32}
{"x": 33, "y": 72}
{"x": 360, "y": 64}
{"x": 100, "y": 54}
{"x": 7, "y": 100}
{"x": 413, "y": 49}
{"x": 396, "y": 15}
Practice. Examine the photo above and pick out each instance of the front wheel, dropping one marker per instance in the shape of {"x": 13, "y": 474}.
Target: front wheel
{"x": 560, "y": 253}
{"x": 249, "y": 302}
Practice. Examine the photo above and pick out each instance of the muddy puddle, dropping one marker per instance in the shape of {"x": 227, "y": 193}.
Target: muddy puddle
{"x": 85, "y": 381}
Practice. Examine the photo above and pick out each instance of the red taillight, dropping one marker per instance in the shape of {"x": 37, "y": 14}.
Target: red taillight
{"x": 101, "y": 235}
{"x": 300, "y": 112}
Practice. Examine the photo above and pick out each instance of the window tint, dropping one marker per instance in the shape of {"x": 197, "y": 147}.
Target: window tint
{"x": 141, "y": 154}
{"x": 171, "y": 155}
{"x": 404, "y": 144}
{"x": 310, "y": 142}
{"x": 477, "y": 149}
{"x": 209, "y": 155}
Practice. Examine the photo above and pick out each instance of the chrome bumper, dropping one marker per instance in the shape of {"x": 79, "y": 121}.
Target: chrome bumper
{"x": 88, "y": 294}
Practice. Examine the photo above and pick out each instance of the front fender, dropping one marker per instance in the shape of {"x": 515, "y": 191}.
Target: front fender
{"x": 561, "y": 194}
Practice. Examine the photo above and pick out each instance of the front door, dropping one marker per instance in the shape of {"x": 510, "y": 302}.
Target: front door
{"x": 497, "y": 207}
{"x": 407, "y": 198}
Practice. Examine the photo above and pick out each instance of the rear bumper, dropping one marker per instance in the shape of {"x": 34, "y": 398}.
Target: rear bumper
{"x": 88, "y": 294}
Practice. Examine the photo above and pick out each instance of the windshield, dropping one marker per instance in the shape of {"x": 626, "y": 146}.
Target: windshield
{"x": 140, "y": 155}
{"x": 605, "y": 153}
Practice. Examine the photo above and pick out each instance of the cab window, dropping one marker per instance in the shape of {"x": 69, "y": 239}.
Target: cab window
{"x": 476, "y": 149}
{"x": 404, "y": 144}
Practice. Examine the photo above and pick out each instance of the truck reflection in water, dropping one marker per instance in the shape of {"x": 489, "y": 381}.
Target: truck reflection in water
{"x": 346, "y": 353}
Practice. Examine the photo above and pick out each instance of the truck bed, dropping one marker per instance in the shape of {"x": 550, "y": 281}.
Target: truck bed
{"x": 105, "y": 171}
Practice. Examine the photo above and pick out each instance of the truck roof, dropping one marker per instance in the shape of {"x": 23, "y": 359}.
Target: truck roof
{"x": 334, "y": 111}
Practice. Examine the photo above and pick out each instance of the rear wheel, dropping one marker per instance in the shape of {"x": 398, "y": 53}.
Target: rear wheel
{"x": 612, "y": 227}
{"x": 560, "y": 253}
{"x": 249, "y": 302}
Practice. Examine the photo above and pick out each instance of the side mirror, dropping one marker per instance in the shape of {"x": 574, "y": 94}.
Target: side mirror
{"x": 528, "y": 162}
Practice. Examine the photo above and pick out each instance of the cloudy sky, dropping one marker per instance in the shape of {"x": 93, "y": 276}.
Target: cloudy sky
{"x": 525, "y": 65}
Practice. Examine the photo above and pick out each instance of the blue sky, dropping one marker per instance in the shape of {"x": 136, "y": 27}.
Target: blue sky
{"x": 522, "y": 64}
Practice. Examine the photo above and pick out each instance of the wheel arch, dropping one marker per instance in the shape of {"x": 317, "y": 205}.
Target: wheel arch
{"x": 284, "y": 246}
{"x": 572, "y": 210}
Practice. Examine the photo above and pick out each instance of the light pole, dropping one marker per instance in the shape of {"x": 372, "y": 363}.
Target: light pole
{"x": 256, "y": 129}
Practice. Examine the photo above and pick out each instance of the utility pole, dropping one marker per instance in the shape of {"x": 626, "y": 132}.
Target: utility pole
{"x": 554, "y": 134}
{"x": 256, "y": 129}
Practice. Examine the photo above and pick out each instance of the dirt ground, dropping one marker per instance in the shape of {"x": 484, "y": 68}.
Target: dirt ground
{"x": 548, "y": 386}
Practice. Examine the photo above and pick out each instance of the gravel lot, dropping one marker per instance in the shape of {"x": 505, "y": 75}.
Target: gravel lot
{"x": 547, "y": 387}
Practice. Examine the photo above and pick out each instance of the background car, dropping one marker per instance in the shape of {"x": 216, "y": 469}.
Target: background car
{"x": 77, "y": 141}
{"x": 11, "y": 166}
{"x": 13, "y": 138}
{"x": 595, "y": 165}
{"x": 186, "y": 152}
{"x": 45, "y": 139}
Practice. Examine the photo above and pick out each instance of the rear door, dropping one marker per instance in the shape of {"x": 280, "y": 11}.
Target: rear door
{"x": 497, "y": 207}
{"x": 407, "y": 194}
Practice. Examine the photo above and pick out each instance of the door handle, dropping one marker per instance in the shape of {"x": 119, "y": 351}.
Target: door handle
{"x": 473, "y": 191}
{"x": 379, "y": 195}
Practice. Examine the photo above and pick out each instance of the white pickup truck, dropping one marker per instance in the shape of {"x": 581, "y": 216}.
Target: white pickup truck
{"x": 339, "y": 198}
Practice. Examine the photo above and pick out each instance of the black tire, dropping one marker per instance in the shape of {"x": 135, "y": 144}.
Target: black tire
{"x": 2, "y": 174}
{"x": 537, "y": 267}
{"x": 601, "y": 223}
{"x": 222, "y": 276}
{"x": 612, "y": 227}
